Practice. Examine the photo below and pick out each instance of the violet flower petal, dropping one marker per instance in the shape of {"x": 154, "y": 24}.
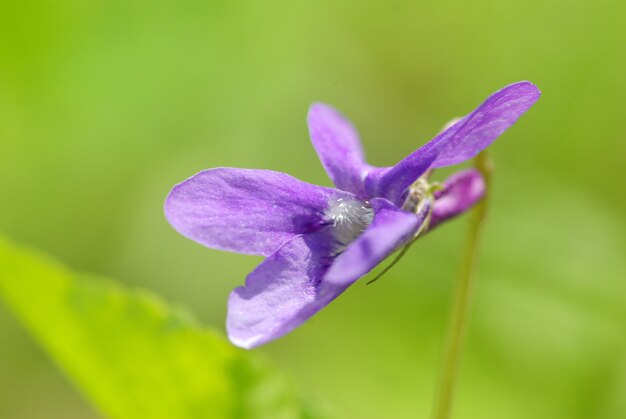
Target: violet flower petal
{"x": 479, "y": 129}
{"x": 246, "y": 211}
{"x": 460, "y": 142}
{"x": 338, "y": 147}
{"x": 300, "y": 278}
{"x": 282, "y": 292}
{"x": 390, "y": 229}
{"x": 460, "y": 192}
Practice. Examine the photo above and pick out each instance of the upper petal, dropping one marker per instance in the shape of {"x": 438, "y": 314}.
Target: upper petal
{"x": 390, "y": 229}
{"x": 460, "y": 142}
{"x": 282, "y": 292}
{"x": 338, "y": 147}
{"x": 476, "y": 131}
{"x": 246, "y": 211}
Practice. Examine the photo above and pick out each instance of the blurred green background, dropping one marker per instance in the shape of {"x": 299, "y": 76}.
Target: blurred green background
{"x": 105, "y": 105}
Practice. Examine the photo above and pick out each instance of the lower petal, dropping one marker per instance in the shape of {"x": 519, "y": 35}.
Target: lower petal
{"x": 391, "y": 228}
{"x": 282, "y": 292}
{"x": 304, "y": 275}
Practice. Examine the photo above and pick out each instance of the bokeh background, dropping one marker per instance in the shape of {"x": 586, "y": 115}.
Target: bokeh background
{"x": 105, "y": 105}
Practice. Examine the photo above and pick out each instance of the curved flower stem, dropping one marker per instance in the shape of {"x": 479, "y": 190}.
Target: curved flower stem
{"x": 460, "y": 309}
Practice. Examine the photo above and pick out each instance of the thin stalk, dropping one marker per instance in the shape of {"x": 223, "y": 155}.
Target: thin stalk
{"x": 460, "y": 309}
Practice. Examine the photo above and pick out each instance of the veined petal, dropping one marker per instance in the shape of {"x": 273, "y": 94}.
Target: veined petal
{"x": 460, "y": 142}
{"x": 304, "y": 275}
{"x": 390, "y": 229}
{"x": 460, "y": 192}
{"x": 338, "y": 147}
{"x": 247, "y": 211}
{"x": 476, "y": 131}
{"x": 282, "y": 292}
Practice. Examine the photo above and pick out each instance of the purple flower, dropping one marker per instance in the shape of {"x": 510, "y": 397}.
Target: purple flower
{"x": 318, "y": 241}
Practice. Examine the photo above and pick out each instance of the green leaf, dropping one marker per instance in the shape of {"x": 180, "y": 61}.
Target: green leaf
{"x": 132, "y": 354}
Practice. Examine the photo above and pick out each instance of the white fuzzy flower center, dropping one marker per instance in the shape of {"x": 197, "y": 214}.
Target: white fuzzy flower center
{"x": 349, "y": 218}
